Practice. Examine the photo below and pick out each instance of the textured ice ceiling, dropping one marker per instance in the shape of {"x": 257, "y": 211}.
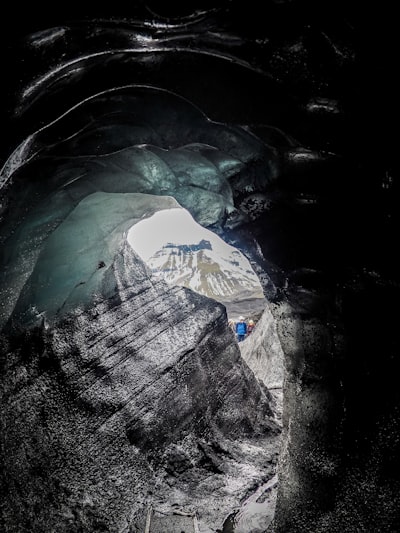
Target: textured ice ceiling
{"x": 118, "y": 157}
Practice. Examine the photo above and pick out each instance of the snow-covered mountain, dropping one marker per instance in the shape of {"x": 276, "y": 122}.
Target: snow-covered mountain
{"x": 184, "y": 253}
{"x": 204, "y": 270}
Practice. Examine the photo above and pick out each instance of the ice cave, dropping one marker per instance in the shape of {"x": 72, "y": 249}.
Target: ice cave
{"x": 127, "y": 405}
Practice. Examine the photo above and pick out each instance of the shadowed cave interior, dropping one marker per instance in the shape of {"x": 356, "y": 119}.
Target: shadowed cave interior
{"x": 120, "y": 392}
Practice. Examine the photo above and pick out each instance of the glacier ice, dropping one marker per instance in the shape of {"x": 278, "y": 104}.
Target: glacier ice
{"x": 71, "y": 202}
{"x": 75, "y": 258}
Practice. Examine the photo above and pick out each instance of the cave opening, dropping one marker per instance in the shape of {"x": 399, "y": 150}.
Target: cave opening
{"x": 69, "y": 275}
{"x": 184, "y": 253}
{"x": 275, "y": 112}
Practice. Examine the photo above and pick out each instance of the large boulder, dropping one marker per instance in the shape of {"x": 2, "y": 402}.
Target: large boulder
{"x": 263, "y": 352}
{"x": 105, "y": 406}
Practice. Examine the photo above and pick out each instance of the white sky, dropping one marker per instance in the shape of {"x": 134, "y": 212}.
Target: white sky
{"x": 171, "y": 225}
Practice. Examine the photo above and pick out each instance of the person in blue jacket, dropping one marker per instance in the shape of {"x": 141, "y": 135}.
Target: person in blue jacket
{"x": 241, "y": 329}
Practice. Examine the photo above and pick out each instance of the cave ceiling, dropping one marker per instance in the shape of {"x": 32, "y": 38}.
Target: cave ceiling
{"x": 262, "y": 127}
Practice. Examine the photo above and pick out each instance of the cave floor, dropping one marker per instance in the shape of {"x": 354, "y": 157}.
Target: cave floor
{"x": 173, "y": 523}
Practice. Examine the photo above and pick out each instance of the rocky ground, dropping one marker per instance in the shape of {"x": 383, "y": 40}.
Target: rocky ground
{"x": 229, "y": 474}
{"x": 142, "y": 400}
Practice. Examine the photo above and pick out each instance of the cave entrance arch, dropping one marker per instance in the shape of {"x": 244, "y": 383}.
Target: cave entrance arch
{"x": 184, "y": 253}
{"x": 67, "y": 253}
{"x": 310, "y": 59}
{"x": 160, "y": 144}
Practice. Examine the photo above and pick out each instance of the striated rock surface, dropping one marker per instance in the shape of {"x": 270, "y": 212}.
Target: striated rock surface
{"x": 110, "y": 408}
{"x": 339, "y": 462}
{"x": 309, "y": 469}
{"x": 262, "y": 351}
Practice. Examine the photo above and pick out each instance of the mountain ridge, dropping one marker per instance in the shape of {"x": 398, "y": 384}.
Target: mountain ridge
{"x": 214, "y": 273}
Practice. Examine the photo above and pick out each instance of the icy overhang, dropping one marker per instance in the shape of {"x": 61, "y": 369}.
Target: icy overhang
{"x": 75, "y": 187}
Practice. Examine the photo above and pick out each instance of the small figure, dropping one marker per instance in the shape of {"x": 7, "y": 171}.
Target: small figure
{"x": 250, "y": 327}
{"x": 231, "y": 324}
{"x": 241, "y": 329}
